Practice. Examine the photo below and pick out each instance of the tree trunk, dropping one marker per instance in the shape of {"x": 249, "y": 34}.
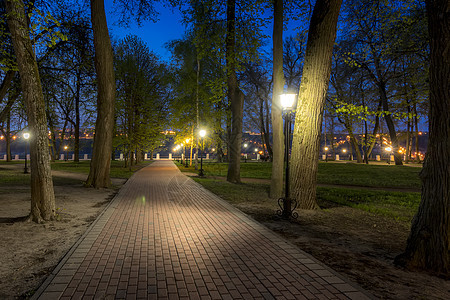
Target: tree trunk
{"x": 416, "y": 132}
{"x": 428, "y": 246}
{"x": 235, "y": 96}
{"x": 312, "y": 94}
{"x": 42, "y": 193}
{"x": 76, "y": 146}
{"x": 104, "y": 125}
{"x": 276, "y": 180}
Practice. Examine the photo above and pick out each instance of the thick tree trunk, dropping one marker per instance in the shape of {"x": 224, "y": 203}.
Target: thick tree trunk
{"x": 428, "y": 246}
{"x": 235, "y": 97}
{"x": 42, "y": 193}
{"x": 313, "y": 90}
{"x": 104, "y": 126}
{"x": 276, "y": 180}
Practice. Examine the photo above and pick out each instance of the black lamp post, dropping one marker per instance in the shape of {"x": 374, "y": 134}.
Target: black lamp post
{"x": 287, "y": 205}
{"x": 245, "y": 152}
{"x": 185, "y": 157}
{"x": 26, "y": 136}
{"x": 202, "y": 135}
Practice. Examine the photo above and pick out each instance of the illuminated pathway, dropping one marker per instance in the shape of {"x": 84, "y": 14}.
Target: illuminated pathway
{"x": 165, "y": 237}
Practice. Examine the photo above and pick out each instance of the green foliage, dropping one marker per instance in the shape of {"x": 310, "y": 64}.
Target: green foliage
{"x": 143, "y": 91}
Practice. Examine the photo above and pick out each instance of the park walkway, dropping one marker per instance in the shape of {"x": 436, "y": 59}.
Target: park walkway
{"x": 165, "y": 237}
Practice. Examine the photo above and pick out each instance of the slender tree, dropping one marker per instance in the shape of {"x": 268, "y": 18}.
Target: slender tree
{"x": 42, "y": 193}
{"x": 276, "y": 182}
{"x": 311, "y": 99}
{"x": 428, "y": 246}
{"x": 235, "y": 97}
{"x": 104, "y": 66}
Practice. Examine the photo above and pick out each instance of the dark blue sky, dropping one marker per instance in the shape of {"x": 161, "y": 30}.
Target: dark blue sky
{"x": 169, "y": 27}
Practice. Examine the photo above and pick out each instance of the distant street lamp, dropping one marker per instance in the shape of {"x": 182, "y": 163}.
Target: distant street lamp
{"x": 344, "y": 151}
{"x": 388, "y": 150}
{"x": 326, "y": 154}
{"x": 185, "y": 160}
{"x": 287, "y": 205}
{"x": 66, "y": 157}
{"x": 202, "y": 134}
{"x": 26, "y": 136}
{"x": 245, "y": 152}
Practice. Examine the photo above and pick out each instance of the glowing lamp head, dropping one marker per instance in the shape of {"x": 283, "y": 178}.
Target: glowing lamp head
{"x": 287, "y": 101}
{"x": 388, "y": 149}
{"x": 256, "y": 149}
{"x": 26, "y": 135}
{"x": 245, "y": 145}
{"x": 65, "y": 147}
{"x": 202, "y": 133}
{"x": 187, "y": 141}
{"x": 344, "y": 150}
{"x": 326, "y": 148}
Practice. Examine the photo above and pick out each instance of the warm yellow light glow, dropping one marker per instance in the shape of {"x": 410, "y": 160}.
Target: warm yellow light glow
{"x": 202, "y": 133}
{"x": 213, "y": 149}
{"x": 388, "y": 149}
{"x": 245, "y": 145}
{"x": 65, "y": 147}
{"x": 326, "y": 148}
{"x": 256, "y": 149}
{"x": 187, "y": 141}
{"x": 344, "y": 150}
{"x": 287, "y": 101}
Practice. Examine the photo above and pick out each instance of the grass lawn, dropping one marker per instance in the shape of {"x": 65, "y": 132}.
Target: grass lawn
{"x": 331, "y": 173}
{"x": 117, "y": 167}
{"x": 253, "y": 198}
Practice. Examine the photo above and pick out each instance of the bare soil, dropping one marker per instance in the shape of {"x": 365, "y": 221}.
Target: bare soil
{"x": 30, "y": 251}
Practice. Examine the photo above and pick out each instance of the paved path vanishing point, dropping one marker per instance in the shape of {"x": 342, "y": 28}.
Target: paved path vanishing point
{"x": 166, "y": 237}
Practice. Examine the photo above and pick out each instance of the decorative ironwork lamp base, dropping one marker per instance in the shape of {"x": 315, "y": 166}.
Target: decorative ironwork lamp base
{"x": 287, "y": 207}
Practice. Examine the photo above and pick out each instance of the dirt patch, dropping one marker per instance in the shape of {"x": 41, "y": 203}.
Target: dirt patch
{"x": 30, "y": 251}
{"x": 361, "y": 246}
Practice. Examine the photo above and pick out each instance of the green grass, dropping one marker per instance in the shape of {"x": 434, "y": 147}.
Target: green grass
{"x": 117, "y": 168}
{"x": 253, "y": 198}
{"x": 397, "y": 205}
{"x": 331, "y": 173}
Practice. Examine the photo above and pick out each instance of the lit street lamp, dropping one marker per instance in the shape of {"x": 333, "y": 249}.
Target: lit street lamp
{"x": 388, "y": 150}
{"x": 26, "y": 136}
{"x": 202, "y": 134}
{"x": 245, "y": 152}
{"x": 185, "y": 157}
{"x": 287, "y": 205}
{"x": 66, "y": 157}
{"x": 326, "y": 154}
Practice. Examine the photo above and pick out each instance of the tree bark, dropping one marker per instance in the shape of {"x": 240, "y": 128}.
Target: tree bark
{"x": 312, "y": 94}
{"x": 276, "y": 180}
{"x": 428, "y": 246}
{"x": 104, "y": 126}
{"x": 42, "y": 193}
{"x": 235, "y": 96}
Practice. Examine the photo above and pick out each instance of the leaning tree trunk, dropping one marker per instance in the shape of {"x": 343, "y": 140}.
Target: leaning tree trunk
{"x": 311, "y": 100}
{"x": 235, "y": 96}
{"x": 42, "y": 193}
{"x": 428, "y": 246}
{"x": 276, "y": 180}
{"x": 104, "y": 126}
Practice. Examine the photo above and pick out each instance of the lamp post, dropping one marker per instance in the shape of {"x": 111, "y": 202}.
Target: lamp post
{"x": 287, "y": 205}
{"x": 245, "y": 152}
{"x": 202, "y": 134}
{"x": 26, "y": 136}
{"x": 388, "y": 150}
{"x": 344, "y": 151}
{"x": 65, "y": 149}
{"x": 185, "y": 160}
{"x": 326, "y": 154}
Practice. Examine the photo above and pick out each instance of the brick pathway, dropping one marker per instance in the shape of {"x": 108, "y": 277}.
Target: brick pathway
{"x": 165, "y": 237}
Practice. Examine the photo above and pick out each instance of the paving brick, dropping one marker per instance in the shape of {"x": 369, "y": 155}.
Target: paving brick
{"x": 165, "y": 237}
